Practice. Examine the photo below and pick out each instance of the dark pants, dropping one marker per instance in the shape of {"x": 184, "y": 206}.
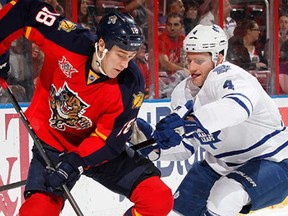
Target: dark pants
{"x": 120, "y": 175}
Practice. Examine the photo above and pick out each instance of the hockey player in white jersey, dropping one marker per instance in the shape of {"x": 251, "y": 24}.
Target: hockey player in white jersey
{"x": 235, "y": 121}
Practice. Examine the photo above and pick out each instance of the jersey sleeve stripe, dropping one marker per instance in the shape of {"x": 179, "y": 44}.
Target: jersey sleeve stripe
{"x": 261, "y": 142}
{"x": 240, "y": 95}
{"x": 236, "y": 98}
{"x": 99, "y": 134}
{"x": 241, "y": 103}
{"x": 27, "y": 32}
{"x": 6, "y": 9}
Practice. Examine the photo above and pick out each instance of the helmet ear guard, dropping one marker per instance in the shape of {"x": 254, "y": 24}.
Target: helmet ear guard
{"x": 210, "y": 39}
{"x": 120, "y": 30}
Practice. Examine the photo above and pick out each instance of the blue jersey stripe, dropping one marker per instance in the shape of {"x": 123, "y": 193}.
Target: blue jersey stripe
{"x": 262, "y": 156}
{"x": 261, "y": 142}
{"x": 239, "y": 101}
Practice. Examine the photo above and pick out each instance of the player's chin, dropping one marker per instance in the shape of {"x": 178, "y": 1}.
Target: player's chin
{"x": 197, "y": 81}
{"x": 113, "y": 74}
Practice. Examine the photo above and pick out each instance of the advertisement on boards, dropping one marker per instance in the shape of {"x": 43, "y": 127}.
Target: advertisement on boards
{"x": 92, "y": 198}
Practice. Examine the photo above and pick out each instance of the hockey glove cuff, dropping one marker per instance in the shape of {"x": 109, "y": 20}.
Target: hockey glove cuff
{"x": 141, "y": 131}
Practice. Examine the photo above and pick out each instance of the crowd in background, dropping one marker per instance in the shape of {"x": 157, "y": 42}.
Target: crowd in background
{"x": 246, "y": 44}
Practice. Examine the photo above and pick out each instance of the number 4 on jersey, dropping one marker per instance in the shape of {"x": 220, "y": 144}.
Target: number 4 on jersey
{"x": 228, "y": 84}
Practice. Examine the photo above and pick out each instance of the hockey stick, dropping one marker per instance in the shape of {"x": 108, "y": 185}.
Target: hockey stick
{"x": 143, "y": 145}
{"x": 37, "y": 142}
{"x": 12, "y": 185}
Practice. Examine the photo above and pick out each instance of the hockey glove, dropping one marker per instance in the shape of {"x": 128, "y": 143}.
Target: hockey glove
{"x": 4, "y": 65}
{"x": 173, "y": 128}
{"x": 141, "y": 132}
{"x": 68, "y": 170}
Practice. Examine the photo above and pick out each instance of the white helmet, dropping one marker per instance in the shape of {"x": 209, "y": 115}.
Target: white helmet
{"x": 207, "y": 39}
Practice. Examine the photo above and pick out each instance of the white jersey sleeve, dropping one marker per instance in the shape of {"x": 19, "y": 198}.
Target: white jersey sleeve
{"x": 239, "y": 119}
{"x": 229, "y": 97}
{"x": 183, "y": 151}
{"x": 242, "y": 120}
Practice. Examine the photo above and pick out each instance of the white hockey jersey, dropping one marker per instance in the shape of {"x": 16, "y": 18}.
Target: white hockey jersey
{"x": 242, "y": 121}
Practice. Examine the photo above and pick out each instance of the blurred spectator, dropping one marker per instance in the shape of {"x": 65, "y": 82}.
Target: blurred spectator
{"x": 284, "y": 52}
{"x": 17, "y": 62}
{"x": 206, "y": 12}
{"x": 37, "y": 62}
{"x": 191, "y": 16}
{"x": 283, "y": 29}
{"x": 141, "y": 60}
{"x": 161, "y": 28}
{"x": 209, "y": 14}
{"x": 229, "y": 23}
{"x": 171, "y": 55}
{"x": 88, "y": 14}
{"x": 132, "y": 5}
{"x": 167, "y": 83}
{"x": 170, "y": 44}
{"x": 20, "y": 62}
{"x": 82, "y": 13}
{"x": 173, "y": 6}
{"x": 55, "y": 4}
{"x": 243, "y": 49}
{"x": 140, "y": 14}
{"x": 17, "y": 90}
{"x": 283, "y": 75}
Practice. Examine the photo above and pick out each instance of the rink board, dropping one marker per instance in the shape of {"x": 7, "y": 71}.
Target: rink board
{"x": 92, "y": 198}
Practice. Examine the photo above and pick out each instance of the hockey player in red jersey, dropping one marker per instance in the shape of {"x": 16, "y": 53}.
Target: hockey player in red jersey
{"x": 87, "y": 97}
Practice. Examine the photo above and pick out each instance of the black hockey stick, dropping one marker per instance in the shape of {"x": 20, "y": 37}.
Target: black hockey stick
{"x": 38, "y": 143}
{"x": 136, "y": 147}
{"x": 143, "y": 145}
{"x": 12, "y": 185}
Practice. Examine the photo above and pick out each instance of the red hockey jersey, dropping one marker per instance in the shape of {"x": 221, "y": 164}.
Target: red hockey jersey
{"x": 73, "y": 108}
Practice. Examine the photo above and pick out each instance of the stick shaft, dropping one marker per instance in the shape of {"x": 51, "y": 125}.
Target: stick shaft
{"x": 38, "y": 143}
{"x": 12, "y": 185}
{"x": 143, "y": 144}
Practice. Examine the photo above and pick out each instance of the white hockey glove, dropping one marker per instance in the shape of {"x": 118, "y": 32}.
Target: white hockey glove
{"x": 142, "y": 131}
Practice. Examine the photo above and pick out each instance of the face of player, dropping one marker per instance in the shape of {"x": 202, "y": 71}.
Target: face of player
{"x": 199, "y": 65}
{"x": 115, "y": 60}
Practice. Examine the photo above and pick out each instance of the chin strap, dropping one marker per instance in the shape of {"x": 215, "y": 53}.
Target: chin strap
{"x": 99, "y": 59}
